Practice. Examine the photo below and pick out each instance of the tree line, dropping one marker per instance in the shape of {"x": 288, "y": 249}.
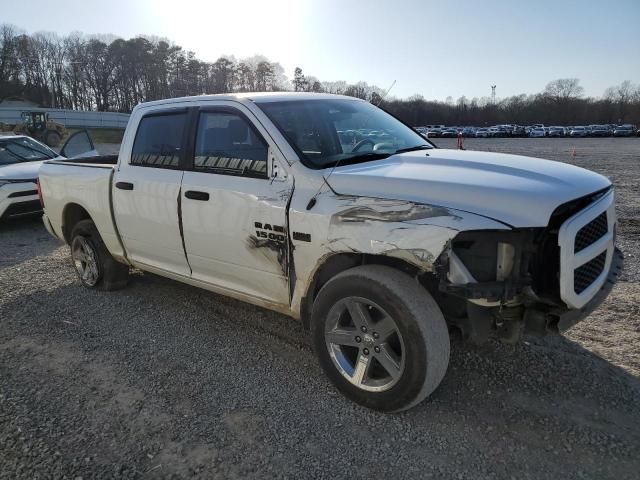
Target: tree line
{"x": 113, "y": 74}
{"x": 108, "y": 73}
{"x": 562, "y": 102}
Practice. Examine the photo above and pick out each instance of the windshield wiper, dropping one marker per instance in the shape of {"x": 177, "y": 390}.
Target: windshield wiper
{"x": 361, "y": 157}
{"x": 413, "y": 149}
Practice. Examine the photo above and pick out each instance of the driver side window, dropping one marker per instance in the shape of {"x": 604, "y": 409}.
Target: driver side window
{"x": 227, "y": 144}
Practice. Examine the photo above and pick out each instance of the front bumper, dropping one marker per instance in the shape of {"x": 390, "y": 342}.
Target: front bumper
{"x": 17, "y": 199}
{"x": 568, "y": 318}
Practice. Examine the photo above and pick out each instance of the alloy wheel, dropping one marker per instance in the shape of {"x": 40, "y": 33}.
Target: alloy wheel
{"x": 84, "y": 259}
{"x": 365, "y": 344}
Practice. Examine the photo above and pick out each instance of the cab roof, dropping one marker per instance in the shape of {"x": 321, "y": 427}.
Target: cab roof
{"x": 257, "y": 97}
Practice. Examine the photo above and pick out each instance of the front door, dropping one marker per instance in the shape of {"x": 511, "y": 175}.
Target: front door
{"x": 146, "y": 193}
{"x": 233, "y": 214}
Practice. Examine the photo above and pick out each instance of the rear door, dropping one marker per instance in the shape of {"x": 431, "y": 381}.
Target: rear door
{"x": 146, "y": 192}
{"x": 233, "y": 210}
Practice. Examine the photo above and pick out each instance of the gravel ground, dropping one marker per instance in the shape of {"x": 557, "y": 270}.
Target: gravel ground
{"x": 162, "y": 380}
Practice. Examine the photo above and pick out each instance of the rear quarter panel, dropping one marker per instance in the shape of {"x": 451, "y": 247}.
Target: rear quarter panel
{"x": 88, "y": 186}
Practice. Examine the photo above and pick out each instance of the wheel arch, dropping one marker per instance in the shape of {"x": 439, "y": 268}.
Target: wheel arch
{"x": 334, "y": 264}
{"x": 71, "y": 215}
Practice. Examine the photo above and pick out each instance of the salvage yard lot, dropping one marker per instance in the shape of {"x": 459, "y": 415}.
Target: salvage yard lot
{"x": 164, "y": 380}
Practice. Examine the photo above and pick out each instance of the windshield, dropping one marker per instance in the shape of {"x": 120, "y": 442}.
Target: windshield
{"x": 23, "y": 149}
{"x": 327, "y": 131}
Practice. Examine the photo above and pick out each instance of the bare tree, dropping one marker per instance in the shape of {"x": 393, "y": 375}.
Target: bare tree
{"x": 564, "y": 89}
{"x": 9, "y": 66}
{"x": 105, "y": 72}
{"x": 299, "y": 81}
{"x": 264, "y": 76}
{"x": 622, "y": 96}
{"x": 563, "y": 93}
{"x": 245, "y": 76}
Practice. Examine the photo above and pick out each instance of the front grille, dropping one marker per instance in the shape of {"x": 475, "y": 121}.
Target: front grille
{"x": 586, "y": 274}
{"x": 26, "y": 193}
{"x": 586, "y": 242}
{"x": 22, "y": 180}
{"x": 591, "y": 232}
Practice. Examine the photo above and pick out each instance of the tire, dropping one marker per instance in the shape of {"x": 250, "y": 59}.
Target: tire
{"x": 93, "y": 263}
{"x": 404, "y": 366}
{"x": 52, "y": 138}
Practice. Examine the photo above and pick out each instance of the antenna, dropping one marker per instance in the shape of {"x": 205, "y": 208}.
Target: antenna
{"x": 385, "y": 94}
{"x": 493, "y": 94}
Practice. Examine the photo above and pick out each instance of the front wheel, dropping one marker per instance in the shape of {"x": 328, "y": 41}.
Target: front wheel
{"x": 380, "y": 337}
{"x": 94, "y": 265}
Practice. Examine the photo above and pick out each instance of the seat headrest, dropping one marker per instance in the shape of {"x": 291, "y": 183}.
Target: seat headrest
{"x": 237, "y": 131}
{"x": 212, "y": 138}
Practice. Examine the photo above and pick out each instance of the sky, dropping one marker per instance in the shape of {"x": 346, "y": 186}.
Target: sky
{"x": 432, "y": 48}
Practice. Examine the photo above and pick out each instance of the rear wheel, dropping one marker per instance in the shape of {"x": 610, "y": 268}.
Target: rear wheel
{"x": 94, "y": 265}
{"x": 380, "y": 337}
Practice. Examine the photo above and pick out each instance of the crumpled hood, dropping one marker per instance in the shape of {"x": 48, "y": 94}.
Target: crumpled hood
{"x": 520, "y": 191}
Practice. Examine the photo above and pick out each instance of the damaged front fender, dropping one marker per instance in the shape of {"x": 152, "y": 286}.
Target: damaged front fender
{"x": 415, "y": 233}
{"x": 406, "y": 231}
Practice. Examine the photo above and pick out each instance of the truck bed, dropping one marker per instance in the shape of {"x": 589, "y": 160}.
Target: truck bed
{"x": 80, "y": 184}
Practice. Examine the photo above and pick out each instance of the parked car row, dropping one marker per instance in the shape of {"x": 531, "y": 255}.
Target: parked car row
{"x": 536, "y": 130}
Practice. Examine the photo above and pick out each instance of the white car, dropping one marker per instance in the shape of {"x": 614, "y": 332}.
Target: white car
{"x": 579, "y": 132}
{"x": 20, "y": 160}
{"x": 378, "y": 246}
{"x": 537, "y": 132}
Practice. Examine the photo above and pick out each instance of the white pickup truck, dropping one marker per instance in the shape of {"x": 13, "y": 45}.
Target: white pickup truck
{"x": 334, "y": 212}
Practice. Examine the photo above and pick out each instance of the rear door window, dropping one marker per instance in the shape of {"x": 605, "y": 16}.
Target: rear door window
{"x": 159, "y": 140}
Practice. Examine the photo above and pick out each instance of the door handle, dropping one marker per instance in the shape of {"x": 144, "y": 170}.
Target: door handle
{"x": 195, "y": 195}
{"x": 124, "y": 185}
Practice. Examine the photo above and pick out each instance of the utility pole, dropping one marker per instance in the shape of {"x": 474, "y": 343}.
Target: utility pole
{"x": 493, "y": 94}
